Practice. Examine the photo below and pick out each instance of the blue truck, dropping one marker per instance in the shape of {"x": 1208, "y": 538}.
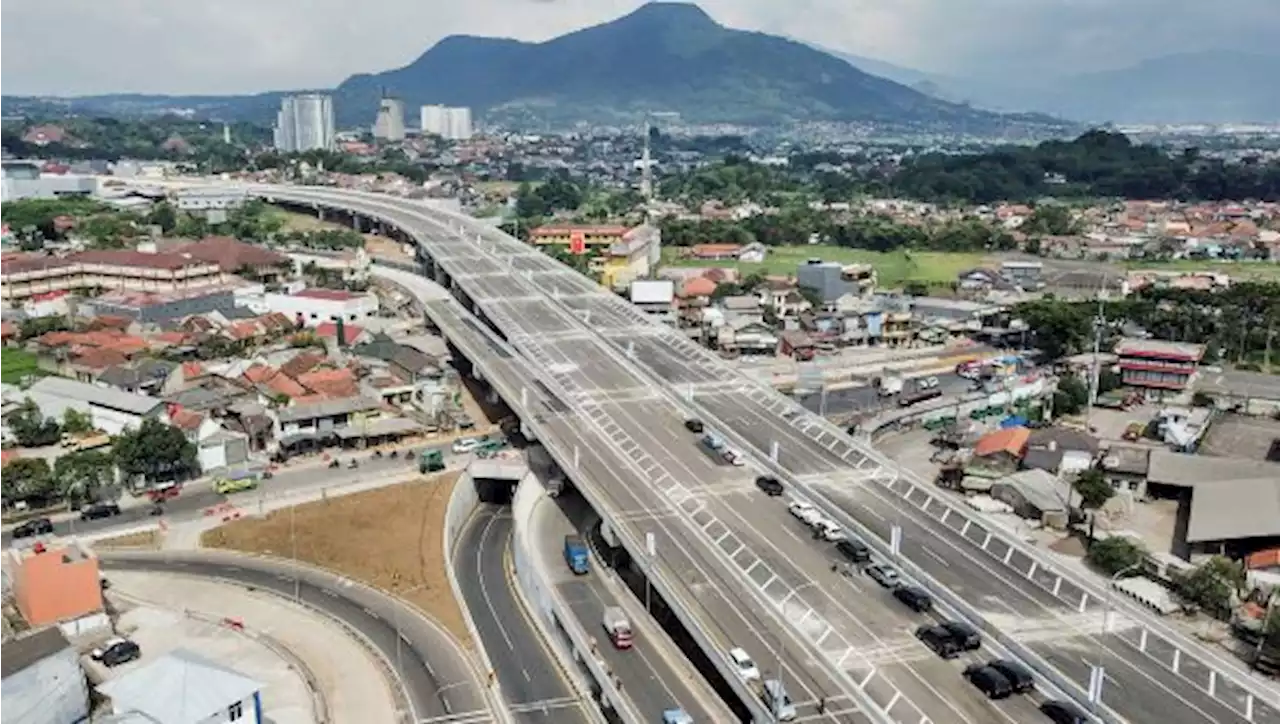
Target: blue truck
{"x": 575, "y": 553}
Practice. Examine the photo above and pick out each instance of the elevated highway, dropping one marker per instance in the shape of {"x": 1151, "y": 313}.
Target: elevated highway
{"x": 594, "y": 359}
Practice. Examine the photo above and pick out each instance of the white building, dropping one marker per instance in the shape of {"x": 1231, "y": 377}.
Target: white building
{"x": 43, "y": 682}
{"x": 112, "y": 411}
{"x": 304, "y": 123}
{"x": 451, "y": 123}
{"x": 312, "y": 306}
{"x": 24, "y": 180}
{"x": 212, "y": 203}
{"x": 388, "y": 125}
{"x": 184, "y": 688}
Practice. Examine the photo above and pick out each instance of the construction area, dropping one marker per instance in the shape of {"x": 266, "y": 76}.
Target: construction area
{"x": 390, "y": 538}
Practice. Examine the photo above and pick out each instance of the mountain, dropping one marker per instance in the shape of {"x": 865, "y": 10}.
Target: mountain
{"x": 1213, "y": 86}
{"x": 661, "y": 57}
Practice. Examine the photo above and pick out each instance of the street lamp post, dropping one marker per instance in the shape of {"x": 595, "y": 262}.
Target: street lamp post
{"x": 1100, "y": 672}
{"x": 777, "y": 650}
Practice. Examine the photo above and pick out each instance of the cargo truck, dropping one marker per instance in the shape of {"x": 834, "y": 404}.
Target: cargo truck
{"x": 575, "y": 553}
{"x": 618, "y": 627}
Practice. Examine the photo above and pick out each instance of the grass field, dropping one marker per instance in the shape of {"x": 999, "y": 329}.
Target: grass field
{"x": 405, "y": 556}
{"x": 892, "y": 268}
{"x": 294, "y": 221}
{"x": 16, "y": 364}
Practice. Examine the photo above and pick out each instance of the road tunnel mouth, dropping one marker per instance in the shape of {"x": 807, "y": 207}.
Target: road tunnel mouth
{"x": 495, "y": 490}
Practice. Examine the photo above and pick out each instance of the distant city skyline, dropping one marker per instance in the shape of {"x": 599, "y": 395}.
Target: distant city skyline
{"x": 157, "y": 46}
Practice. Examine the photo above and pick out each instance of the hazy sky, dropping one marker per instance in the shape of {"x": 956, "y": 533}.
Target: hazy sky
{"x": 72, "y": 47}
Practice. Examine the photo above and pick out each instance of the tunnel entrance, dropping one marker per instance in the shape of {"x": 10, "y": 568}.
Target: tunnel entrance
{"x": 492, "y": 490}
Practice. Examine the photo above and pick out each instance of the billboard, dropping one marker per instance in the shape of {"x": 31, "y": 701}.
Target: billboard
{"x": 577, "y": 242}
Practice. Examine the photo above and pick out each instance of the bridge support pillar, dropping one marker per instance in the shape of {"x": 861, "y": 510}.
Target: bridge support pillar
{"x": 357, "y": 223}
{"x": 319, "y": 212}
{"x": 526, "y": 431}
{"x": 492, "y": 397}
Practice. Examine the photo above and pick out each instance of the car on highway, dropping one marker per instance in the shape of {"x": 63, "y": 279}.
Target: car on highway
{"x": 745, "y": 667}
{"x": 917, "y": 599}
{"x": 828, "y": 530}
{"x": 885, "y": 575}
{"x": 927, "y": 383}
{"x": 939, "y": 640}
{"x": 35, "y": 526}
{"x": 854, "y": 549}
{"x": 989, "y": 681}
{"x": 465, "y": 445}
{"x": 95, "y": 511}
{"x": 693, "y": 424}
{"x": 804, "y": 511}
{"x": 733, "y": 457}
{"x": 676, "y": 716}
{"x": 1064, "y": 712}
{"x": 965, "y": 636}
{"x": 1017, "y": 674}
{"x": 116, "y": 651}
{"x": 770, "y": 485}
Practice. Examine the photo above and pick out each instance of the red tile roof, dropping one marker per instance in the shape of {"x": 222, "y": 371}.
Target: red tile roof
{"x": 99, "y": 359}
{"x": 1012, "y": 440}
{"x": 135, "y": 259}
{"x": 350, "y": 332}
{"x": 302, "y": 362}
{"x": 231, "y": 255}
{"x": 333, "y": 383}
{"x": 698, "y": 287}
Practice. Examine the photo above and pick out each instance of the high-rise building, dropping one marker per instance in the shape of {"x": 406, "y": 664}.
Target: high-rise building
{"x": 451, "y": 123}
{"x": 304, "y": 123}
{"x": 389, "y": 124}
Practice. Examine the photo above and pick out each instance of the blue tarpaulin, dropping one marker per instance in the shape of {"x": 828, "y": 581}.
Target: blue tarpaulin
{"x": 1013, "y": 421}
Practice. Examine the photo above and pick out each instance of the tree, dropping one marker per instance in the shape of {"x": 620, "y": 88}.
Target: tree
{"x": 27, "y": 479}
{"x": 164, "y": 216}
{"x": 1093, "y": 488}
{"x": 1072, "y": 395}
{"x": 1116, "y": 554}
{"x": 1213, "y": 585}
{"x": 30, "y": 428}
{"x": 81, "y": 475}
{"x": 77, "y": 422}
{"x": 155, "y": 451}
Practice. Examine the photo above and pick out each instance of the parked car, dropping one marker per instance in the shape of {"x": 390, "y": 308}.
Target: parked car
{"x": 733, "y": 457}
{"x": 465, "y": 445}
{"x": 1064, "y": 712}
{"x": 886, "y": 576}
{"x": 99, "y": 510}
{"x": 117, "y": 651}
{"x": 917, "y": 599}
{"x": 676, "y": 716}
{"x": 939, "y": 640}
{"x": 770, "y": 485}
{"x": 989, "y": 681}
{"x": 693, "y": 425}
{"x": 828, "y": 530}
{"x": 742, "y": 662}
{"x": 1016, "y": 673}
{"x": 804, "y": 511}
{"x": 35, "y": 526}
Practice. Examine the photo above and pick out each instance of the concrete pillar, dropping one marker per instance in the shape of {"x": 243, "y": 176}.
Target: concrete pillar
{"x": 357, "y": 223}
{"x": 526, "y": 431}
{"x": 492, "y": 396}
{"x": 320, "y": 212}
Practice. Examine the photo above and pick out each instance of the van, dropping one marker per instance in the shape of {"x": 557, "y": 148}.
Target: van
{"x": 776, "y": 698}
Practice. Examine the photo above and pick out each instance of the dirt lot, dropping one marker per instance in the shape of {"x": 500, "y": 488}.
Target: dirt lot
{"x": 147, "y": 539}
{"x": 391, "y": 538}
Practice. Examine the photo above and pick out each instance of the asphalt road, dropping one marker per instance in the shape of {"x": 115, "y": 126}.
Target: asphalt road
{"x": 437, "y": 679}
{"x": 518, "y": 303}
{"x": 199, "y": 495}
{"x": 529, "y": 674}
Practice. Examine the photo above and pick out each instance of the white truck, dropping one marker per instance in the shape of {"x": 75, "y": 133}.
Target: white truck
{"x": 889, "y": 385}
{"x": 618, "y": 627}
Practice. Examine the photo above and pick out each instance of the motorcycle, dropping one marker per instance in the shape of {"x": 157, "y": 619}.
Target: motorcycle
{"x": 334, "y": 463}
{"x": 353, "y": 465}
{"x": 377, "y": 453}
{"x": 394, "y": 454}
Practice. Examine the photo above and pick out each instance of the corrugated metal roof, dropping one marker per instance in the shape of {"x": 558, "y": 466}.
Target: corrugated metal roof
{"x": 180, "y": 688}
{"x": 71, "y": 390}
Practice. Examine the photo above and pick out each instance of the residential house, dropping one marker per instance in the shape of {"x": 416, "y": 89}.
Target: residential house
{"x": 1000, "y": 451}
{"x": 1156, "y": 367}
{"x": 742, "y": 308}
{"x": 747, "y": 335}
{"x": 1060, "y": 450}
{"x": 352, "y": 335}
{"x": 42, "y": 680}
{"x": 182, "y": 687}
{"x": 830, "y": 280}
{"x": 317, "y": 421}
{"x": 796, "y": 343}
{"x": 1126, "y": 467}
{"x": 656, "y": 298}
{"x": 110, "y": 410}
{"x": 1036, "y": 494}
{"x": 144, "y": 376}
{"x": 57, "y": 585}
{"x": 715, "y": 252}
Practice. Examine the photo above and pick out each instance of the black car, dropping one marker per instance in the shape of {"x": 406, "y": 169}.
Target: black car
{"x": 917, "y": 599}
{"x": 855, "y": 550}
{"x": 940, "y": 640}
{"x": 1064, "y": 712}
{"x": 693, "y": 425}
{"x": 99, "y": 510}
{"x": 965, "y": 636}
{"x": 989, "y": 681}
{"x": 770, "y": 485}
{"x": 117, "y": 651}
{"x": 35, "y": 526}
{"x": 1016, "y": 673}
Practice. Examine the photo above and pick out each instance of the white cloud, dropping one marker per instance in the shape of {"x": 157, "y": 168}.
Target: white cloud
{"x": 236, "y": 46}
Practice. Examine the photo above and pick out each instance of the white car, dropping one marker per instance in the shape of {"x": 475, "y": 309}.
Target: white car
{"x": 828, "y": 530}
{"x": 465, "y": 445}
{"x": 804, "y": 511}
{"x": 743, "y": 663}
{"x": 733, "y": 457}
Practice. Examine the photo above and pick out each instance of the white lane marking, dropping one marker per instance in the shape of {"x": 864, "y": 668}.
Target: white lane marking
{"x": 484, "y": 588}
{"x": 930, "y": 552}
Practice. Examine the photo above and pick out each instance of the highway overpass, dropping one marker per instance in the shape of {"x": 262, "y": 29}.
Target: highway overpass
{"x": 627, "y": 384}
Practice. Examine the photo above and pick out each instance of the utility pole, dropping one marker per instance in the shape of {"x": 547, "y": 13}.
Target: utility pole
{"x": 1095, "y": 370}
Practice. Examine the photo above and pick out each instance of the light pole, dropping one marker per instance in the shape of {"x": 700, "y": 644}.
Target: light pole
{"x": 1099, "y": 674}
{"x": 777, "y": 650}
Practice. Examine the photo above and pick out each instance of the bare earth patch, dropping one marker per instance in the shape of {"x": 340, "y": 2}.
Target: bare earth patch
{"x": 147, "y": 539}
{"x": 391, "y": 538}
